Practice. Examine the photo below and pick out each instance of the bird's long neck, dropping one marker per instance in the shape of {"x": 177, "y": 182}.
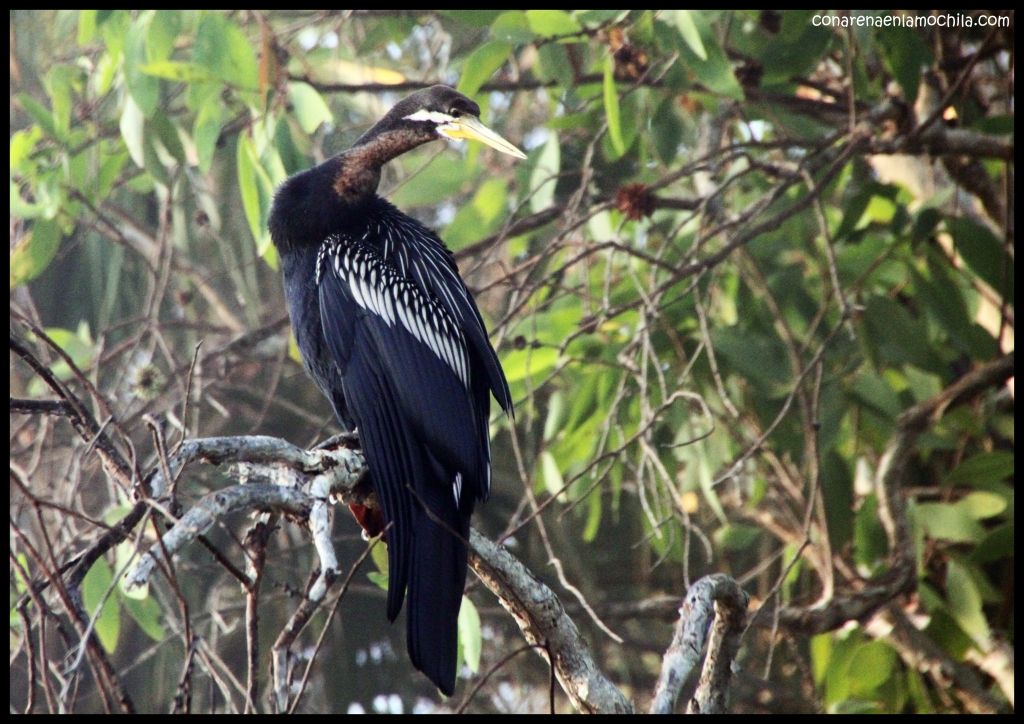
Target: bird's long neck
{"x": 359, "y": 172}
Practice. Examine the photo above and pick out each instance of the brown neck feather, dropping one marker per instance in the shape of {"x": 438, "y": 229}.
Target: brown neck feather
{"x": 359, "y": 173}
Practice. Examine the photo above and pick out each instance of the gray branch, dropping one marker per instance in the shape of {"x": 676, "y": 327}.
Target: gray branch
{"x": 543, "y": 621}
{"x": 716, "y": 597}
{"x": 202, "y": 516}
{"x": 303, "y": 481}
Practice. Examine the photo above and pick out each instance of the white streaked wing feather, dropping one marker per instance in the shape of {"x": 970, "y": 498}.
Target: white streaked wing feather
{"x": 378, "y": 289}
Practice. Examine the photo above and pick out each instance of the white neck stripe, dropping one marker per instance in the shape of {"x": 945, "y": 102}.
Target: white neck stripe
{"x": 433, "y": 116}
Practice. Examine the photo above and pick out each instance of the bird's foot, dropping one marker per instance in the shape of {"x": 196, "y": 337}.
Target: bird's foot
{"x": 343, "y": 439}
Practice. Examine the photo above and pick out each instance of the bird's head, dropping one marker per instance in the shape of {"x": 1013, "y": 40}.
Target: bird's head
{"x": 443, "y": 111}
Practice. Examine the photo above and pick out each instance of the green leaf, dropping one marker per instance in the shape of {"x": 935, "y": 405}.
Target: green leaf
{"x": 983, "y": 468}
{"x": 796, "y": 50}
{"x": 110, "y": 171}
{"x": 86, "y": 26}
{"x": 523, "y": 363}
{"x": 553, "y": 421}
{"x": 178, "y": 71}
{"x": 704, "y": 479}
{"x": 691, "y": 35}
{"x": 474, "y": 18}
{"x": 513, "y": 27}
{"x": 997, "y": 545}
{"x": 984, "y": 254}
{"x": 551, "y": 22}
{"x": 146, "y": 613}
{"x": 821, "y": 652}
{"x": 714, "y": 70}
{"x": 981, "y": 505}
{"x": 597, "y": 17}
{"x": 870, "y": 666}
{"x": 113, "y": 26}
{"x": 873, "y": 391}
{"x": 633, "y": 115}
{"x": 837, "y": 675}
{"x": 836, "y": 481}
{"x": 379, "y": 555}
{"x": 574, "y": 449}
{"x": 899, "y": 337}
{"x": 124, "y": 556}
{"x": 144, "y": 89}
{"x": 102, "y": 79}
{"x": 594, "y": 510}
{"x": 378, "y": 579}
{"x": 755, "y": 356}
{"x": 949, "y": 521}
{"x": 943, "y": 301}
{"x": 611, "y": 108}
{"x": 666, "y": 131}
{"x": 77, "y": 344}
{"x": 60, "y": 82}
{"x": 222, "y": 48}
{"x": 309, "y": 107}
{"x": 132, "y": 127}
{"x": 23, "y": 142}
{"x": 544, "y": 177}
{"x": 869, "y": 542}
{"x": 156, "y": 159}
{"x": 481, "y": 65}
{"x": 905, "y": 55}
{"x": 39, "y": 113}
{"x": 550, "y": 475}
{"x": 20, "y": 584}
{"x": 470, "y": 635}
{"x": 163, "y": 32}
{"x": 553, "y": 65}
{"x": 737, "y": 537}
{"x": 433, "y": 182}
{"x": 880, "y": 210}
{"x": 48, "y": 190}
{"x": 167, "y": 140}
{"x": 965, "y": 604}
{"x": 480, "y": 217}
{"x": 248, "y": 187}
{"x": 34, "y": 251}
{"x": 95, "y": 586}
{"x": 205, "y": 134}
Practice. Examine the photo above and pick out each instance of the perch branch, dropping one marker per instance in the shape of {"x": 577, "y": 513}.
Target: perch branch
{"x": 541, "y": 618}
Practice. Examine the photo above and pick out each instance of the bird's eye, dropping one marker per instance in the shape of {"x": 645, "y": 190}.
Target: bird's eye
{"x": 454, "y": 112}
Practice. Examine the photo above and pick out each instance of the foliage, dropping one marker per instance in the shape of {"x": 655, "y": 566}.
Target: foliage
{"x": 742, "y": 246}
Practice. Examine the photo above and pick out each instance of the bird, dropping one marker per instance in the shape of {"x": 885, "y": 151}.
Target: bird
{"x": 391, "y": 335}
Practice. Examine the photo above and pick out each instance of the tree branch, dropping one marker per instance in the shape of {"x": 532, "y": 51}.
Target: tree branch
{"x": 542, "y": 618}
{"x": 719, "y": 597}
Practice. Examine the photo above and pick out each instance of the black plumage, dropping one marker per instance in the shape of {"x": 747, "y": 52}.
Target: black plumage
{"x": 394, "y": 340}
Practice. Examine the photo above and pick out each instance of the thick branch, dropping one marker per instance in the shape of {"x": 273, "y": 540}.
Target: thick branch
{"x": 718, "y": 596}
{"x": 543, "y": 620}
{"x": 201, "y": 517}
{"x": 291, "y": 463}
{"x": 942, "y": 141}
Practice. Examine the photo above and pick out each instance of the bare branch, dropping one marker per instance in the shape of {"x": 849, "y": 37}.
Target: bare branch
{"x": 541, "y": 618}
{"x": 720, "y": 597}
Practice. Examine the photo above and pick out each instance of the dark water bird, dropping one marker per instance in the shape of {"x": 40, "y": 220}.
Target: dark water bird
{"x": 393, "y": 338}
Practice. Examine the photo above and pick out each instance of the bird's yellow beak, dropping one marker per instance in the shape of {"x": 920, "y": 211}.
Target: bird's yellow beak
{"x": 471, "y": 128}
